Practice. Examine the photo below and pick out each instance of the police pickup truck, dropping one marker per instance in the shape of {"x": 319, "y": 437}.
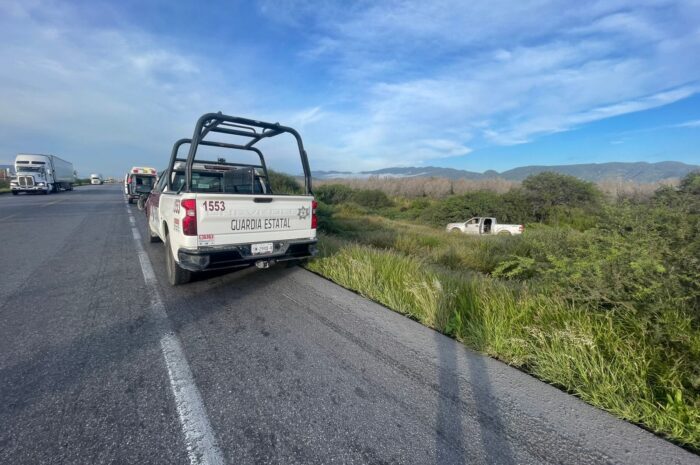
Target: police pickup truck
{"x": 214, "y": 214}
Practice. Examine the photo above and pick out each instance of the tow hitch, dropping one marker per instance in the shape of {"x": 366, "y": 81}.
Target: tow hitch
{"x": 264, "y": 264}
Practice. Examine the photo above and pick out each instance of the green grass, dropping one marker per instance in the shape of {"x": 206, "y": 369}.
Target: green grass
{"x": 504, "y": 296}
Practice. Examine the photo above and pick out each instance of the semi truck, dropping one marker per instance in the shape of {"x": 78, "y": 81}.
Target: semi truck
{"x": 215, "y": 214}
{"x": 96, "y": 179}
{"x": 39, "y": 173}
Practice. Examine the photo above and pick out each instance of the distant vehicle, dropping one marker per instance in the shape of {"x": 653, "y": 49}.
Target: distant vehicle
{"x": 483, "y": 225}
{"x": 138, "y": 181}
{"x": 219, "y": 214}
{"x": 41, "y": 174}
{"x": 96, "y": 179}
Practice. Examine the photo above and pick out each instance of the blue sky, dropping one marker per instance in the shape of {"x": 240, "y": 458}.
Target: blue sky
{"x": 474, "y": 85}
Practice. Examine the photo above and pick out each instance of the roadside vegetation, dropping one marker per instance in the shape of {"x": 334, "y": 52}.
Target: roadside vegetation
{"x": 600, "y": 296}
{"x": 4, "y": 186}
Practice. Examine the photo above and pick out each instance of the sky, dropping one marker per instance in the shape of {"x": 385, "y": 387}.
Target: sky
{"x": 473, "y": 85}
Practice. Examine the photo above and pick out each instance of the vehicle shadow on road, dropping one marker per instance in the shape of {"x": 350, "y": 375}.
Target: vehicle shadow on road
{"x": 492, "y": 445}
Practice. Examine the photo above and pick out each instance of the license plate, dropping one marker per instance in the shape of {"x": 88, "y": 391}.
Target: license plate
{"x": 258, "y": 249}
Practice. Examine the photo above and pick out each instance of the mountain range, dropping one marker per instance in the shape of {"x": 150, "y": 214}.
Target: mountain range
{"x": 636, "y": 171}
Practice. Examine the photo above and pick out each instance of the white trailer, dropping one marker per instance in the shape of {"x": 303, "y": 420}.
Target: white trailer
{"x": 41, "y": 173}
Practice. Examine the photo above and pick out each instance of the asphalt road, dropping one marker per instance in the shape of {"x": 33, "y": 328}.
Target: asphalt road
{"x": 289, "y": 368}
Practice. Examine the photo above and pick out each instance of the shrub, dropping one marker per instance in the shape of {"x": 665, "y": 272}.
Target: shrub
{"x": 506, "y": 208}
{"x": 281, "y": 183}
{"x": 371, "y": 198}
{"x": 333, "y": 194}
{"x": 547, "y": 190}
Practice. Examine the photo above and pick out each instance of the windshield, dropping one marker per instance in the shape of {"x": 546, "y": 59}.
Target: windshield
{"x": 26, "y": 168}
{"x": 242, "y": 181}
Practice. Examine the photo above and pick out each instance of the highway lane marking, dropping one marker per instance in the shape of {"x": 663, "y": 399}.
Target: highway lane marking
{"x": 202, "y": 448}
{"x": 9, "y": 216}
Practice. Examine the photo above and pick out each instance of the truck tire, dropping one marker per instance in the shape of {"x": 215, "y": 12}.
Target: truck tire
{"x": 455, "y": 230}
{"x": 176, "y": 274}
{"x": 504, "y": 233}
{"x": 129, "y": 200}
{"x": 15, "y": 192}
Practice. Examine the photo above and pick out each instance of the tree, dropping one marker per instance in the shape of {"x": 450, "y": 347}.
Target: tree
{"x": 546, "y": 191}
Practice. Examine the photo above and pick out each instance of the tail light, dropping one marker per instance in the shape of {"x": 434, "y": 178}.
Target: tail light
{"x": 314, "y": 218}
{"x": 521, "y": 228}
{"x": 189, "y": 222}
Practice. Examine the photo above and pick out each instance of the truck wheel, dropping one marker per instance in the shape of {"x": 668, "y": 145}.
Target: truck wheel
{"x": 129, "y": 200}
{"x": 15, "y": 192}
{"x": 504, "y": 233}
{"x": 176, "y": 274}
{"x": 455, "y": 230}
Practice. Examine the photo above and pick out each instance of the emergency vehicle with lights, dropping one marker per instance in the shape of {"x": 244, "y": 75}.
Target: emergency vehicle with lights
{"x": 215, "y": 214}
{"x": 139, "y": 180}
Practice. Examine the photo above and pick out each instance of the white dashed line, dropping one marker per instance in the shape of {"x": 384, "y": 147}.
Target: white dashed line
{"x": 199, "y": 436}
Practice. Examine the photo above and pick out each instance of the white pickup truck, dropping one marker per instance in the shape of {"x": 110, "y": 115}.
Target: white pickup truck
{"x": 481, "y": 225}
{"x": 213, "y": 214}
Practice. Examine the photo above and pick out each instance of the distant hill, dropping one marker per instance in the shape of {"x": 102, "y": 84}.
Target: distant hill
{"x": 637, "y": 172}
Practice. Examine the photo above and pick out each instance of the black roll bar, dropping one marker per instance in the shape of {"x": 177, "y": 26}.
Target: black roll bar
{"x": 179, "y": 143}
{"x": 238, "y": 126}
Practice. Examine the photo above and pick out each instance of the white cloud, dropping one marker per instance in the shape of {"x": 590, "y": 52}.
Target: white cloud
{"x": 483, "y": 73}
{"x": 689, "y": 124}
{"x": 389, "y": 83}
{"x": 109, "y": 97}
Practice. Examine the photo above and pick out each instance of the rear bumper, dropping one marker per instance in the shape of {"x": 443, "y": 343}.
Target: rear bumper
{"x": 234, "y": 256}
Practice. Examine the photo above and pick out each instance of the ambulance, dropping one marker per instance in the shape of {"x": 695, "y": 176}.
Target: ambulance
{"x": 139, "y": 180}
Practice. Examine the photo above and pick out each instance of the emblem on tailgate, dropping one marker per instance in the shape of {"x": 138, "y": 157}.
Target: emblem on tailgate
{"x": 303, "y": 213}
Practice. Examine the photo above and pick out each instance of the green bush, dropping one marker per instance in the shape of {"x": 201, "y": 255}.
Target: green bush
{"x": 333, "y": 194}
{"x": 371, "y": 198}
{"x": 545, "y": 191}
{"x": 281, "y": 183}
{"x": 506, "y": 208}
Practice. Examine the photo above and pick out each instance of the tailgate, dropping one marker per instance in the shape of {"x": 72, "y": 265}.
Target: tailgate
{"x": 241, "y": 219}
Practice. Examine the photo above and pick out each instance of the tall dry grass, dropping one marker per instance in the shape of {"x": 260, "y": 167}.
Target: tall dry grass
{"x": 425, "y": 187}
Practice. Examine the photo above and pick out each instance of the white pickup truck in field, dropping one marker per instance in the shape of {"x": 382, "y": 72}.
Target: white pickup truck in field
{"x": 214, "y": 214}
{"x": 482, "y": 225}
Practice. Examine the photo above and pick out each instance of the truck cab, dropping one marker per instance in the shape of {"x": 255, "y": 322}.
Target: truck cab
{"x": 96, "y": 179}
{"x": 43, "y": 174}
{"x": 217, "y": 214}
